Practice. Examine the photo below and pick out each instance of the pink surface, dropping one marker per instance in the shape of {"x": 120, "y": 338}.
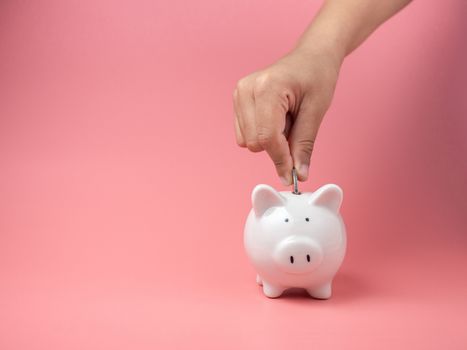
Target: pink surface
{"x": 123, "y": 194}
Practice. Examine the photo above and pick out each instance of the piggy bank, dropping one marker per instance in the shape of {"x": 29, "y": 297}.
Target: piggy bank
{"x": 295, "y": 240}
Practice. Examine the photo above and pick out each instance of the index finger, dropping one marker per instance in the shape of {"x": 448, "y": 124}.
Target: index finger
{"x": 270, "y": 118}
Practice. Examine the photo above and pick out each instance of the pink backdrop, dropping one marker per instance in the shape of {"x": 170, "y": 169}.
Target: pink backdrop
{"x": 123, "y": 193}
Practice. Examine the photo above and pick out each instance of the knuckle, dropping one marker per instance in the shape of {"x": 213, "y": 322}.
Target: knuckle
{"x": 253, "y": 145}
{"x": 279, "y": 163}
{"x": 269, "y": 83}
{"x": 305, "y": 147}
{"x": 241, "y": 143}
{"x": 242, "y": 85}
{"x": 263, "y": 83}
{"x": 265, "y": 139}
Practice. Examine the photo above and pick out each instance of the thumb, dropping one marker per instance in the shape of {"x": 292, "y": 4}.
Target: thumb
{"x": 302, "y": 140}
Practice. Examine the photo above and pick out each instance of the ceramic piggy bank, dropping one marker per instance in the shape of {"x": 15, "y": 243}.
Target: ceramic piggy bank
{"x": 295, "y": 240}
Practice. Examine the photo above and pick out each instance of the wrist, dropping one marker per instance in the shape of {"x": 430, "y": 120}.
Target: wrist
{"x": 331, "y": 32}
{"x": 325, "y": 37}
{"x": 322, "y": 46}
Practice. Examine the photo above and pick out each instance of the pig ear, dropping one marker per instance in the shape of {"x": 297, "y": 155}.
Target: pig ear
{"x": 329, "y": 196}
{"x": 264, "y": 197}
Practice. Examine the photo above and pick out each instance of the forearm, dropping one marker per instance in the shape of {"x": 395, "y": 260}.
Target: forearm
{"x": 342, "y": 25}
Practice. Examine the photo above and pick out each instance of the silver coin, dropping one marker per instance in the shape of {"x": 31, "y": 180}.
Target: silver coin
{"x": 295, "y": 181}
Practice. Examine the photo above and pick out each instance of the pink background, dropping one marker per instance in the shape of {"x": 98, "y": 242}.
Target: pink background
{"x": 123, "y": 194}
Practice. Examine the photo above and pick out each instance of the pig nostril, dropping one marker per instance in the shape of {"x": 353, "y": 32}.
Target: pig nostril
{"x": 291, "y": 259}
{"x": 308, "y": 257}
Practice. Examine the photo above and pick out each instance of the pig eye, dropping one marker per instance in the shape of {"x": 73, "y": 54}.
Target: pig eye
{"x": 307, "y": 219}
{"x": 286, "y": 220}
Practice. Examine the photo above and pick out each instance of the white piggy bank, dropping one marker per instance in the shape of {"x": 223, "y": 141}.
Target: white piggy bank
{"x": 295, "y": 240}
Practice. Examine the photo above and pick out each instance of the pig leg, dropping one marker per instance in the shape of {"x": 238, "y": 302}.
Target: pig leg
{"x": 322, "y": 292}
{"x": 271, "y": 291}
{"x": 258, "y": 280}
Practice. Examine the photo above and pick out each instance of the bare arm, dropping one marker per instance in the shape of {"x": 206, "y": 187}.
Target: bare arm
{"x": 345, "y": 24}
{"x": 279, "y": 109}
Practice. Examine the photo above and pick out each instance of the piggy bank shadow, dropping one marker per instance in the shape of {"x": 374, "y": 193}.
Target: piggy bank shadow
{"x": 347, "y": 288}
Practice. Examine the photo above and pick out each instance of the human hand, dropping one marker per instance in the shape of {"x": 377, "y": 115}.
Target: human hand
{"x": 279, "y": 109}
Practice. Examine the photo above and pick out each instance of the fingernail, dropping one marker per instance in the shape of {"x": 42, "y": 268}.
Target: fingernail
{"x": 284, "y": 181}
{"x": 303, "y": 171}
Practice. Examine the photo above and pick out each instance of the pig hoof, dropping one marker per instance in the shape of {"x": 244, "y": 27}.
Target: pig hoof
{"x": 258, "y": 280}
{"x": 271, "y": 291}
{"x": 323, "y": 292}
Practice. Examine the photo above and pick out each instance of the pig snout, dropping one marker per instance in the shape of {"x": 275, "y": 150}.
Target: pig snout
{"x": 298, "y": 255}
